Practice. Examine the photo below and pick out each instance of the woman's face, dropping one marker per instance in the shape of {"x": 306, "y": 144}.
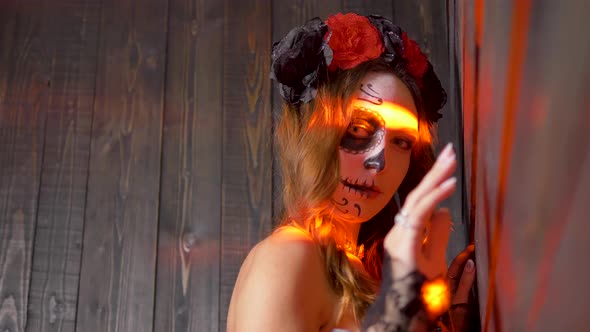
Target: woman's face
{"x": 375, "y": 150}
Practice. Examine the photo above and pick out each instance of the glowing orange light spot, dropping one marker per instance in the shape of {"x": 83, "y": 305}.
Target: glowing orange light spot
{"x": 397, "y": 117}
{"x": 436, "y": 296}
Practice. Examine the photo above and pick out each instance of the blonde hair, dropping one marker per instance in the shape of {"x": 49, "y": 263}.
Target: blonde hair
{"x": 308, "y": 139}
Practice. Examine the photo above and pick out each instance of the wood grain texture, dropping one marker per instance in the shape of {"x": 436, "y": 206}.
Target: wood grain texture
{"x": 8, "y": 24}
{"x": 118, "y": 273}
{"x": 492, "y": 78}
{"x": 538, "y": 109}
{"x": 464, "y": 68}
{"x": 547, "y": 203}
{"x": 463, "y": 55}
{"x": 247, "y": 160}
{"x": 23, "y": 104}
{"x": 427, "y": 22}
{"x": 190, "y": 202}
{"x": 72, "y": 32}
{"x": 368, "y": 7}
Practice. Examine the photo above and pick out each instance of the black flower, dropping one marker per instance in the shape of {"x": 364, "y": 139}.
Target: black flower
{"x": 391, "y": 33}
{"x": 299, "y": 61}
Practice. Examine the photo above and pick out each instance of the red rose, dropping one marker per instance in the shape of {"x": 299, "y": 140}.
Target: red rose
{"x": 417, "y": 61}
{"x": 353, "y": 39}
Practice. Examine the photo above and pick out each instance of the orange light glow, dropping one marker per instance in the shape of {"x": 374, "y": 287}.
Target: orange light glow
{"x": 397, "y": 117}
{"x": 436, "y": 296}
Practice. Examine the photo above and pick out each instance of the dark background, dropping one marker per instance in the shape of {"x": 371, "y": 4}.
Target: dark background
{"x": 136, "y": 160}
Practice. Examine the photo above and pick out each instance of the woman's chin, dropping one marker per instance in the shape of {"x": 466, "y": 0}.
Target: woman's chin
{"x": 354, "y": 219}
{"x": 356, "y": 209}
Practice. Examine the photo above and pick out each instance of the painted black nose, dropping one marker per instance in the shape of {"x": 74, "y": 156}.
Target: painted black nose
{"x": 376, "y": 162}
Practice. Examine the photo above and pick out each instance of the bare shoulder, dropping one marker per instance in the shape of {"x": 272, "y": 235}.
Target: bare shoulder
{"x": 288, "y": 254}
{"x": 282, "y": 281}
{"x": 287, "y": 243}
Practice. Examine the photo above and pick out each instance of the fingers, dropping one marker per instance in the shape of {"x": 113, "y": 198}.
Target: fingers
{"x": 421, "y": 214}
{"x": 460, "y": 300}
{"x": 407, "y": 236}
{"x": 458, "y": 263}
{"x": 424, "y": 208}
{"x": 467, "y": 278}
{"x": 443, "y": 167}
{"x": 459, "y": 307}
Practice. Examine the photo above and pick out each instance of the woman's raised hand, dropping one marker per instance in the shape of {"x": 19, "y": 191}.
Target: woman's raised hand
{"x": 419, "y": 238}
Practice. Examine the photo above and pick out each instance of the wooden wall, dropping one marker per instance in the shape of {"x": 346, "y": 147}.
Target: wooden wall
{"x": 524, "y": 79}
{"x": 136, "y": 160}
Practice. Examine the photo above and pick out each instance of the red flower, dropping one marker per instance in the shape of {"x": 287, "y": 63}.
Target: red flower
{"x": 353, "y": 40}
{"x": 417, "y": 61}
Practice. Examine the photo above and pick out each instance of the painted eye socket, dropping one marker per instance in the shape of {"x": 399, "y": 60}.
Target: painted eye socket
{"x": 360, "y": 129}
{"x": 357, "y": 131}
{"x": 364, "y": 132}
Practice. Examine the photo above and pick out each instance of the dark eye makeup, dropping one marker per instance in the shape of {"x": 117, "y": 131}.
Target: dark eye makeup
{"x": 361, "y": 129}
{"x": 365, "y": 131}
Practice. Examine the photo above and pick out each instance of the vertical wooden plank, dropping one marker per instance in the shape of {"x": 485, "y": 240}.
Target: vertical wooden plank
{"x": 465, "y": 36}
{"x": 455, "y": 47}
{"x": 247, "y": 173}
{"x": 287, "y": 14}
{"x": 117, "y": 280}
{"x": 8, "y": 23}
{"x": 72, "y": 31}
{"x": 23, "y": 91}
{"x": 463, "y": 54}
{"x": 547, "y": 204}
{"x": 491, "y": 94}
{"x": 535, "y": 227}
{"x": 561, "y": 288}
{"x": 190, "y": 210}
{"x": 427, "y": 22}
{"x": 290, "y": 13}
{"x": 368, "y": 7}
{"x": 464, "y": 69}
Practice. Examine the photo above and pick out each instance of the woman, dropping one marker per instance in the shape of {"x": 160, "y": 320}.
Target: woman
{"x": 361, "y": 101}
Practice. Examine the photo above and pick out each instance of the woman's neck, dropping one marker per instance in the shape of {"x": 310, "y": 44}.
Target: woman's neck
{"x": 346, "y": 237}
{"x": 349, "y": 232}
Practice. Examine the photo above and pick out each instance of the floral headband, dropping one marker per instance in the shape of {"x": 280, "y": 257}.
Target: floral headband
{"x": 308, "y": 54}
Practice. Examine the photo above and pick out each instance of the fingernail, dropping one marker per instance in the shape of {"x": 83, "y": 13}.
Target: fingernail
{"x": 447, "y": 150}
{"x": 448, "y": 183}
{"x": 447, "y": 156}
{"x": 469, "y": 266}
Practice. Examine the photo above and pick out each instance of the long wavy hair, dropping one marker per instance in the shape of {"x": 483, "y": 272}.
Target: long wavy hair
{"x": 308, "y": 140}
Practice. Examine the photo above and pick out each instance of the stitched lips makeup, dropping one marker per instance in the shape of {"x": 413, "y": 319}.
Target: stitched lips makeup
{"x": 362, "y": 188}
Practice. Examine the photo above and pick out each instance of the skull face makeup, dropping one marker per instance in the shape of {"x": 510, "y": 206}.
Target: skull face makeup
{"x": 376, "y": 148}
